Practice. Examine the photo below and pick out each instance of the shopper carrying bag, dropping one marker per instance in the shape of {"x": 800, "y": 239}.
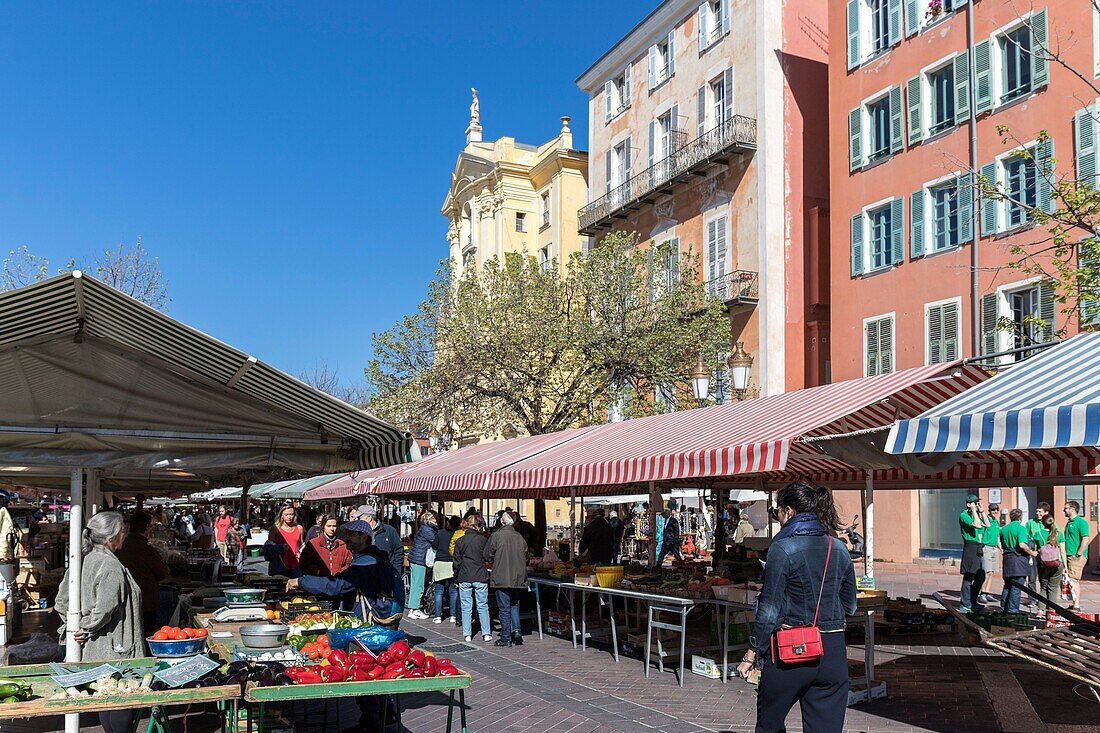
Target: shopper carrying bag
{"x": 798, "y": 640}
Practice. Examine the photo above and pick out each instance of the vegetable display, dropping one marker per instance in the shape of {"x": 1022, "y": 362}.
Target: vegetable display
{"x": 176, "y": 633}
{"x": 399, "y": 661}
{"x": 14, "y": 691}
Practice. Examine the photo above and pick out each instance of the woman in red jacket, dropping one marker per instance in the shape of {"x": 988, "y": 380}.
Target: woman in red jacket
{"x": 324, "y": 555}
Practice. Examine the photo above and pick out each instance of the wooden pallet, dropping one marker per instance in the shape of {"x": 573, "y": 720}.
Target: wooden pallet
{"x": 1070, "y": 650}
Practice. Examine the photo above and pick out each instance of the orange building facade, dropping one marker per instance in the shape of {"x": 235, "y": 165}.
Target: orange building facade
{"x": 920, "y": 269}
{"x": 706, "y": 130}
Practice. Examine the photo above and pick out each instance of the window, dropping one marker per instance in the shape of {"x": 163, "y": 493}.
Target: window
{"x": 664, "y": 267}
{"x": 875, "y": 129}
{"x": 920, "y": 13}
{"x": 713, "y": 22}
{"x": 662, "y": 60}
{"x": 1088, "y": 295}
{"x": 941, "y": 332}
{"x": 718, "y": 104}
{"x": 873, "y": 27}
{"x": 715, "y": 102}
{"x": 544, "y": 258}
{"x": 1077, "y": 494}
{"x": 521, "y": 221}
{"x": 1019, "y": 174}
{"x": 1084, "y": 144}
{"x": 1011, "y": 63}
{"x": 546, "y": 208}
{"x": 1024, "y": 178}
{"x": 1018, "y": 317}
{"x": 945, "y": 217}
{"x": 1016, "y": 60}
{"x": 880, "y": 227}
{"x": 942, "y": 85}
{"x": 878, "y": 345}
{"x": 716, "y": 252}
{"x": 617, "y": 95}
{"x": 664, "y": 136}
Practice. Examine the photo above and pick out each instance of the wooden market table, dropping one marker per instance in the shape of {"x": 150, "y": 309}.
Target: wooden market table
{"x": 39, "y": 678}
{"x": 656, "y": 605}
{"x": 259, "y": 697}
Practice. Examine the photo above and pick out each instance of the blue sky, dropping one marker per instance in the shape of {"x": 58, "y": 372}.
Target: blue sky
{"x": 285, "y": 161}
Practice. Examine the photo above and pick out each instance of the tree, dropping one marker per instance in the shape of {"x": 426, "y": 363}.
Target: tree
{"x": 326, "y": 379}
{"x": 132, "y": 271}
{"x": 520, "y": 347}
{"x": 1063, "y": 250}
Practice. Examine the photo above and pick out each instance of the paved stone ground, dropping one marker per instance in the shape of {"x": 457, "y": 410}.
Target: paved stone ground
{"x": 545, "y": 686}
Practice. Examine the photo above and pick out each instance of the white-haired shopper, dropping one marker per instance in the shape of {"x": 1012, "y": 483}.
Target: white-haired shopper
{"x": 110, "y": 605}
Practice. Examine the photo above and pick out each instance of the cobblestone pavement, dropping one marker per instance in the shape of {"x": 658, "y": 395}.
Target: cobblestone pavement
{"x": 545, "y": 686}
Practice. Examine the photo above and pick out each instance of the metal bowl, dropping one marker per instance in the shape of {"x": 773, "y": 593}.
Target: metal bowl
{"x": 169, "y": 649}
{"x": 264, "y": 636}
{"x": 244, "y": 595}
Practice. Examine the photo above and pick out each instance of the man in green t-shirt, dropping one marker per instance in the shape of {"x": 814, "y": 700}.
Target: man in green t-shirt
{"x": 1077, "y": 550}
{"x": 1037, "y": 536}
{"x": 1017, "y": 559}
{"x": 972, "y": 524}
{"x": 991, "y": 550}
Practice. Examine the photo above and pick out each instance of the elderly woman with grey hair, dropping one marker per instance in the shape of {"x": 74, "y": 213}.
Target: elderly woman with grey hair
{"x": 110, "y": 605}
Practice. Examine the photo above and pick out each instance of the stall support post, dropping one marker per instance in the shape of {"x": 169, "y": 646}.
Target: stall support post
{"x": 72, "y": 618}
{"x": 719, "y": 549}
{"x": 868, "y": 502}
{"x": 573, "y": 524}
{"x": 868, "y": 527}
{"x": 654, "y": 508}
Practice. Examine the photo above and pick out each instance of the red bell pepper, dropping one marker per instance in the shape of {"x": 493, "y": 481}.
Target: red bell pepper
{"x": 395, "y": 667}
{"x": 358, "y": 675}
{"x": 431, "y": 667}
{"x": 416, "y": 658}
{"x": 334, "y": 674}
{"x": 385, "y": 659}
{"x": 308, "y": 677}
{"x": 414, "y": 673}
{"x": 397, "y": 674}
{"x": 399, "y": 650}
{"x": 338, "y": 659}
{"x": 376, "y": 673}
{"x": 448, "y": 672}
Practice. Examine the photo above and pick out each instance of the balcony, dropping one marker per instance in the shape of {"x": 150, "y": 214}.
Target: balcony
{"x": 737, "y": 288}
{"x": 735, "y": 136}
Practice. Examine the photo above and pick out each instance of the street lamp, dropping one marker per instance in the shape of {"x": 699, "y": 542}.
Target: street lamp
{"x": 740, "y": 362}
{"x": 700, "y": 382}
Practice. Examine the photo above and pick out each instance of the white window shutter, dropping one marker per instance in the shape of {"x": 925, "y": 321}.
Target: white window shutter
{"x": 626, "y": 160}
{"x": 701, "y": 111}
{"x": 652, "y": 66}
{"x": 608, "y": 105}
{"x": 728, "y": 87}
{"x": 672, "y": 52}
{"x": 608, "y": 173}
{"x": 712, "y": 250}
{"x": 626, "y": 86}
{"x": 725, "y": 17}
{"x": 722, "y": 244}
{"x": 701, "y": 21}
{"x": 912, "y": 17}
{"x": 652, "y": 142}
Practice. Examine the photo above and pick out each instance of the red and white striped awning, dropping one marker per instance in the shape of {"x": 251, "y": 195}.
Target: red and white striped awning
{"x": 733, "y": 444}
{"x": 468, "y": 470}
{"x": 362, "y": 483}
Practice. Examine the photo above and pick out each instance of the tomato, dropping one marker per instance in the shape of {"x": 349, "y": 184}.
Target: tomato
{"x": 190, "y": 633}
{"x": 160, "y": 636}
{"x": 166, "y": 629}
{"x": 326, "y": 652}
{"x": 200, "y": 633}
{"x": 179, "y": 635}
{"x": 313, "y": 653}
{"x": 323, "y": 639}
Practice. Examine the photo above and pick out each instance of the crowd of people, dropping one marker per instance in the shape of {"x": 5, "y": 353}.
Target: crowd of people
{"x": 1039, "y": 554}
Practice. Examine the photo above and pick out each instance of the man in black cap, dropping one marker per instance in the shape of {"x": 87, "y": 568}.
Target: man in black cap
{"x": 385, "y": 537}
{"x": 972, "y": 523}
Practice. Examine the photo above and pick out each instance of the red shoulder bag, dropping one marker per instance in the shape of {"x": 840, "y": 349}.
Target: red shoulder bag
{"x": 802, "y": 644}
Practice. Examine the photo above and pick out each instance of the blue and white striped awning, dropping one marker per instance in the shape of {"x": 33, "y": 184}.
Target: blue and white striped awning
{"x": 1052, "y": 400}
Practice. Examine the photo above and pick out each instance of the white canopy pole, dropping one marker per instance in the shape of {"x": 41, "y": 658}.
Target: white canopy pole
{"x": 573, "y": 523}
{"x": 868, "y": 527}
{"x": 72, "y": 618}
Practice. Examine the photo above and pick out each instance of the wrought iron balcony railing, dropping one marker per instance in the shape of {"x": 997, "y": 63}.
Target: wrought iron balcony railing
{"x": 735, "y": 135}
{"x": 740, "y": 287}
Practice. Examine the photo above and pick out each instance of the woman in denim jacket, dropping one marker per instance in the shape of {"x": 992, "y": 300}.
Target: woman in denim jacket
{"x": 792, "y": 584}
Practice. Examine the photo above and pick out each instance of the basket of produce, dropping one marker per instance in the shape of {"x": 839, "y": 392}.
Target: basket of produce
{"x": 244, "y": 595}
{"x": 609, "y": 576}
{"x": 172, "y": 641}
{"x": 264, "y": 636}
{"x": 299, "y": 605}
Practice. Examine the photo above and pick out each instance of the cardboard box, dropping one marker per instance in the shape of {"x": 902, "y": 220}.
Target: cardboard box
{"x": 706, "y": 667}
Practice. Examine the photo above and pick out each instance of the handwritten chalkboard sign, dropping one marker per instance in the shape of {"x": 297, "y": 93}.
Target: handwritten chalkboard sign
{"x": 76, "y": 679}
{"x": 183, "y": 672}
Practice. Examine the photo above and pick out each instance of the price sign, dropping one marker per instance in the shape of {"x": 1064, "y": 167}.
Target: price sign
{"x": 865, "y": 582}
{"x": 75, "y": 679}
{"x": 183, "y": 672}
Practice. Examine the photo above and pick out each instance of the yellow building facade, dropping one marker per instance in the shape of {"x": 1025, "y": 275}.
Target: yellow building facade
{"x": 510, "y": 197}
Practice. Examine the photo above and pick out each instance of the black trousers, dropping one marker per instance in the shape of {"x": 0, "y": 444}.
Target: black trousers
{"x": 820, "y": 689}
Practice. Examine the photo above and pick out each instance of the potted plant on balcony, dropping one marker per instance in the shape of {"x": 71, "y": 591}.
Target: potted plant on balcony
{"x": 935, "y": 9}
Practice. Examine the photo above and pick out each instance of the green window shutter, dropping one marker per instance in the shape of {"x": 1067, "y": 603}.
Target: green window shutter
{"x": 916, "y": 224}
{"x": 894, "y": 19}
{"x": 983, "y": 77}
{"x": 1040, "y": 71}
{"x": 854, "y": 55}
{"x": 1084, "y": 144}
{"x": 912, "y": 18}
{"x": 934, "y": 329}
{"x": 1047, "y": 311}
{"x": 1044, "y": 180}
{"x": 990, "y": 317}
{"x": 962, "y": 87}
{"x": 857, "y": 244}
{"x": 870, "y": 341}
{"x": 886, "y": 345}
{"x": 1088, "y": 299}
{"x": 989, "y": 205}
{"x": 964, "y": 195}
{"x": 912, "y": 97}
{"x": 855, "y": 141}
{"x": 897, "y": 233}
{"x": 950, "y": 313}
{"x": 896, "y": 139}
